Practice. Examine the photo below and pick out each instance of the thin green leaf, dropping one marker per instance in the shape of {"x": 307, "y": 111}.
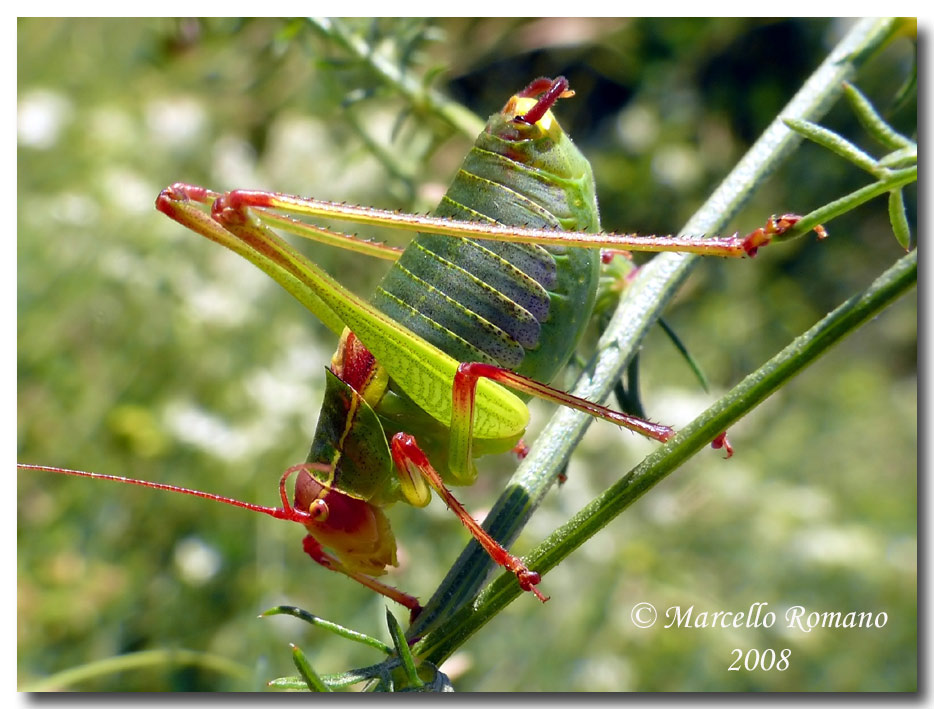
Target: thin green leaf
{"x": 328, "y": 625}
{"x": 894, "y": 179}
{"x": 872, "y": 121}
{"x": 627, "y": 396}
{"x": 314, "y": 682}
{"x": 835, "y": 143}
{"x": 388, "y": 158}
{"x": 899, "y": 220}
{"x": 679, "y": 345}
{"x": 288, "y": 683}
{"x": 910, "y": 86}
{"x": 432, "y": 74}
{"x": 406, "y": 84}
{"x": 402, "y": 650}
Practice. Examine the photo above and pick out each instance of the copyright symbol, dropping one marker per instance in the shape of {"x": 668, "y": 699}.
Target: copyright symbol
{"x": 643, "y": 615}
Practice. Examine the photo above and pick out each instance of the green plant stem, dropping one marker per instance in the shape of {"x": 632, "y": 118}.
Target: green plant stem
{"x": 340, "y": 679}
{"x": 754, "y": 389}
{"x": 307, "y": 672}
{"x": 645, "y": 299}
{"x": 893, "y": 181}
{"x": 403, "y": 651}
{"x": 328, "y": 625}
{"x": 136, "y": 661}
{"x": 422, "y": 99}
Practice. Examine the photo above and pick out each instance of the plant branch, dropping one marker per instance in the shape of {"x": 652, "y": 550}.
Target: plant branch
{"x": 137, "y": 661}
{"x": 639, "y": 310}
{"x": 892, "y": 182}
{"x": 420, "y": 97}
{"x": 754, "y": 389}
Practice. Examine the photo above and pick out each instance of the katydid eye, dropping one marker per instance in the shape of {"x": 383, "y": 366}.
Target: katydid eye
{"x": 318, "y": 511}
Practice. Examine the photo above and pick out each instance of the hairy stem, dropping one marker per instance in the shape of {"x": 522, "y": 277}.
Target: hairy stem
{"x": 639, "y": 310}
{"x": 753, "y": 390}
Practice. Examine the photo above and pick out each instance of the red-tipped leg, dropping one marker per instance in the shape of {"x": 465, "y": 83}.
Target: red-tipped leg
{"x": 408, "y": 456}
{"x": 607, "y": 255}
{"x": 463, "y": 397}
{"x": 721, "y": 441}
{"x": 465, "y": 384}
{"x": 314, "y": 550}
{"x": 521, "y": 449}
{"x": 775, "y": 226}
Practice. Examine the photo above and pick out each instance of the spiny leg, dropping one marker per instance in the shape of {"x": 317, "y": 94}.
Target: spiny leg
{"x": 320, "y": 556}
{"x": 723, "y": 442}
{"x": 240, "y": 200}
{"x": 775, "y": 226}
{"x": 231, "y": 225}
{"x": 412, "y": 461}
{"x": 318, "y": 509}
{"x": 180, "y": 203}
{"x": 464, "y": 397}
{"x": 181, "y": 192}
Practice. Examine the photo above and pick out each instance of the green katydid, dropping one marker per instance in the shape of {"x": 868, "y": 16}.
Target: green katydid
{"x": 473, "y": 307}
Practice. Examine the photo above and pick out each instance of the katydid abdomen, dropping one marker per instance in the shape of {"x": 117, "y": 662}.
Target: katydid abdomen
{"x": 519, "y": 306}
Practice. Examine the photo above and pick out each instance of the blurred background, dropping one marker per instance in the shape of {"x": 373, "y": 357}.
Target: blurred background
{"x": 148, "y": 352}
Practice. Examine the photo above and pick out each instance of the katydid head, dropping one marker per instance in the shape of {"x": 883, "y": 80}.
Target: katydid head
{"x": 526, "y": 131}
{"x": 357, "y": 532}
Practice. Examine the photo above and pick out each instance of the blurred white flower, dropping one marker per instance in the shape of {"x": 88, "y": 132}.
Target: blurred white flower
{"x": 40, "y": 116}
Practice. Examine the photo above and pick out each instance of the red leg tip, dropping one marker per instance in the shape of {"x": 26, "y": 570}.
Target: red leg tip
{"x": 607, "y": 255}
{"x": 528, "y": 580}
{"x": 521, "y": 450}
{"x": 721, "y": 441}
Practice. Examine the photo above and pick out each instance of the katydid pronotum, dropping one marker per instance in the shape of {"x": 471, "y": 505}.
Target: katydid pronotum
{"x": 474, "y": 307}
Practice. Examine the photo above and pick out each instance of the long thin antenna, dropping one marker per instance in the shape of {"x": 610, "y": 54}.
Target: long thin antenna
{"x": 286, "y": 512}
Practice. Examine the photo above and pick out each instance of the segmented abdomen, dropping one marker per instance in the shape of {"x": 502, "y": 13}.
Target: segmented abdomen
{"x": 515, "y": 305}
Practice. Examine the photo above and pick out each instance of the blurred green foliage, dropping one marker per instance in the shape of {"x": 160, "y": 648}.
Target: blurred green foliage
{"x": 146, "y": 352}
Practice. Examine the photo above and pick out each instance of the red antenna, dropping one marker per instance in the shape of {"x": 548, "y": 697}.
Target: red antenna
{"x": 287, "y": 511}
